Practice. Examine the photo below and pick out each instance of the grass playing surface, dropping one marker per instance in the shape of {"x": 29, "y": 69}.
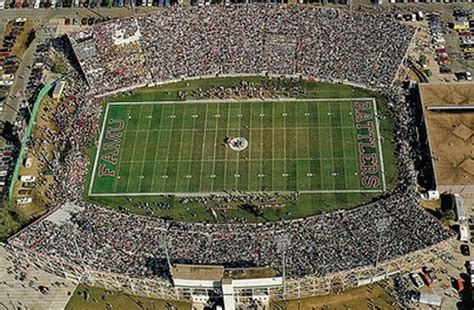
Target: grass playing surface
{"x": 309, "y": 146}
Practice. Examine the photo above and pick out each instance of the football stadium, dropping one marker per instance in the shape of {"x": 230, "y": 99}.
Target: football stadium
{"x": 242, "y": 151}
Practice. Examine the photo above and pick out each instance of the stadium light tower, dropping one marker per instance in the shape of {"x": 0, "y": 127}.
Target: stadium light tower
{"x": 282, "y": 244}
{"x": 381, "y": 225}
{"x": 163, "y": 243}
{"x": 70, "y": 229}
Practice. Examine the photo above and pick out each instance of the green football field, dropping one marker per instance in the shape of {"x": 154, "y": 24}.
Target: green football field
{"x": 309, "y": 146}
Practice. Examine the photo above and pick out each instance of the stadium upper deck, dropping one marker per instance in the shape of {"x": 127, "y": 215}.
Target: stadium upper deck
{"x": 192, "y": 42}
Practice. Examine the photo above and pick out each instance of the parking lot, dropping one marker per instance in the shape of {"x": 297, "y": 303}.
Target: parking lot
{"x": 453, "y": 267}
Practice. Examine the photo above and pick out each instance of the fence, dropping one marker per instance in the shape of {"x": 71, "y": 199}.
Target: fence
{"x": 46, "y": 88}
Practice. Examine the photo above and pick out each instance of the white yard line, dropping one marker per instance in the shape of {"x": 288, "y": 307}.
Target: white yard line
{"x": 133, "y": 151}
{"x": 319, "y": 145}
{"x": 226, "y": 149}
{"x": 99, "y": 147}
{"x": 249, "y": 175}
{"x": 179, "y": 149}
{"x": 261, "y": 144}
{"x": 382, "y": 165}
{"x": 309, "y": 148}
{"x": 169, "y": 147}
{"x": 156, "y": 150}
{"x": 273, "y": 147}
{"x": 284, "y": 145}
{"x": 215, "y": 146}
{"x": 117, "y": 174}
{"x": 146, "y": 148}
{"x": 203, "y": 146}
{"x": 192, "y": 149}
{"x": 237, "y": 153}
{"x": 332, "y": 145}
{"x": 296, "y": 153}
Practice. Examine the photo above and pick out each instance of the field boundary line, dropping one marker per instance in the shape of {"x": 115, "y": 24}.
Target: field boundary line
{"x": 261, "y": 145}
{"x": 102, "y": 140}
{"x": 121, "y": 153}
{"x": 289, "y": 100}
{"x": 99, "y": 148}
{"x": 284, "y": 147}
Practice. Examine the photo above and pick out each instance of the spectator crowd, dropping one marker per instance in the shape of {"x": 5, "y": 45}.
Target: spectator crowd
{"x": 324, "y": 43}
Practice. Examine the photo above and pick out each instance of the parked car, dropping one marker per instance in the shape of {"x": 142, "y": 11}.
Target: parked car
{"x": 427, "y": 279}
{"x": 415, "y": 277}
{"x": 24, "y": 200}
{"x": 27, "y": 178}
{"x": 29, "y": 184}
{"x": 24, "y": 192}
{"x": 465, "y": 250}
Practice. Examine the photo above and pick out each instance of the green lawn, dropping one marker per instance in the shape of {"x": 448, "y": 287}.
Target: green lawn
{"x": 93, "y": 298}
{"x": 178, "y": 148}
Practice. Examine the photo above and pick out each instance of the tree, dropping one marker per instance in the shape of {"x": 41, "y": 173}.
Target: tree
{"x": 449, "y": 215}
{"x": 10, "y": 220}
{"x": 59, "y": 67}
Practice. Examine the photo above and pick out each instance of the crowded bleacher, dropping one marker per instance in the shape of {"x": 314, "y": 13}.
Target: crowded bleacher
{"x": 127, "y": 244}
{"x": 324, "y": 43}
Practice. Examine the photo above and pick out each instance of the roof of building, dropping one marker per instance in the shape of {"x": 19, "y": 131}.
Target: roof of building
{"x": 451, "y": 133}
{"x": 197, "y": 272}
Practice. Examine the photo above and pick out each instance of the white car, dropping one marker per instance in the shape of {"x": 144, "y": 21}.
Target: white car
{"x": 415, "y": 277}
{"x": 24, "y": 200}
{"x": 27, "y": 178}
